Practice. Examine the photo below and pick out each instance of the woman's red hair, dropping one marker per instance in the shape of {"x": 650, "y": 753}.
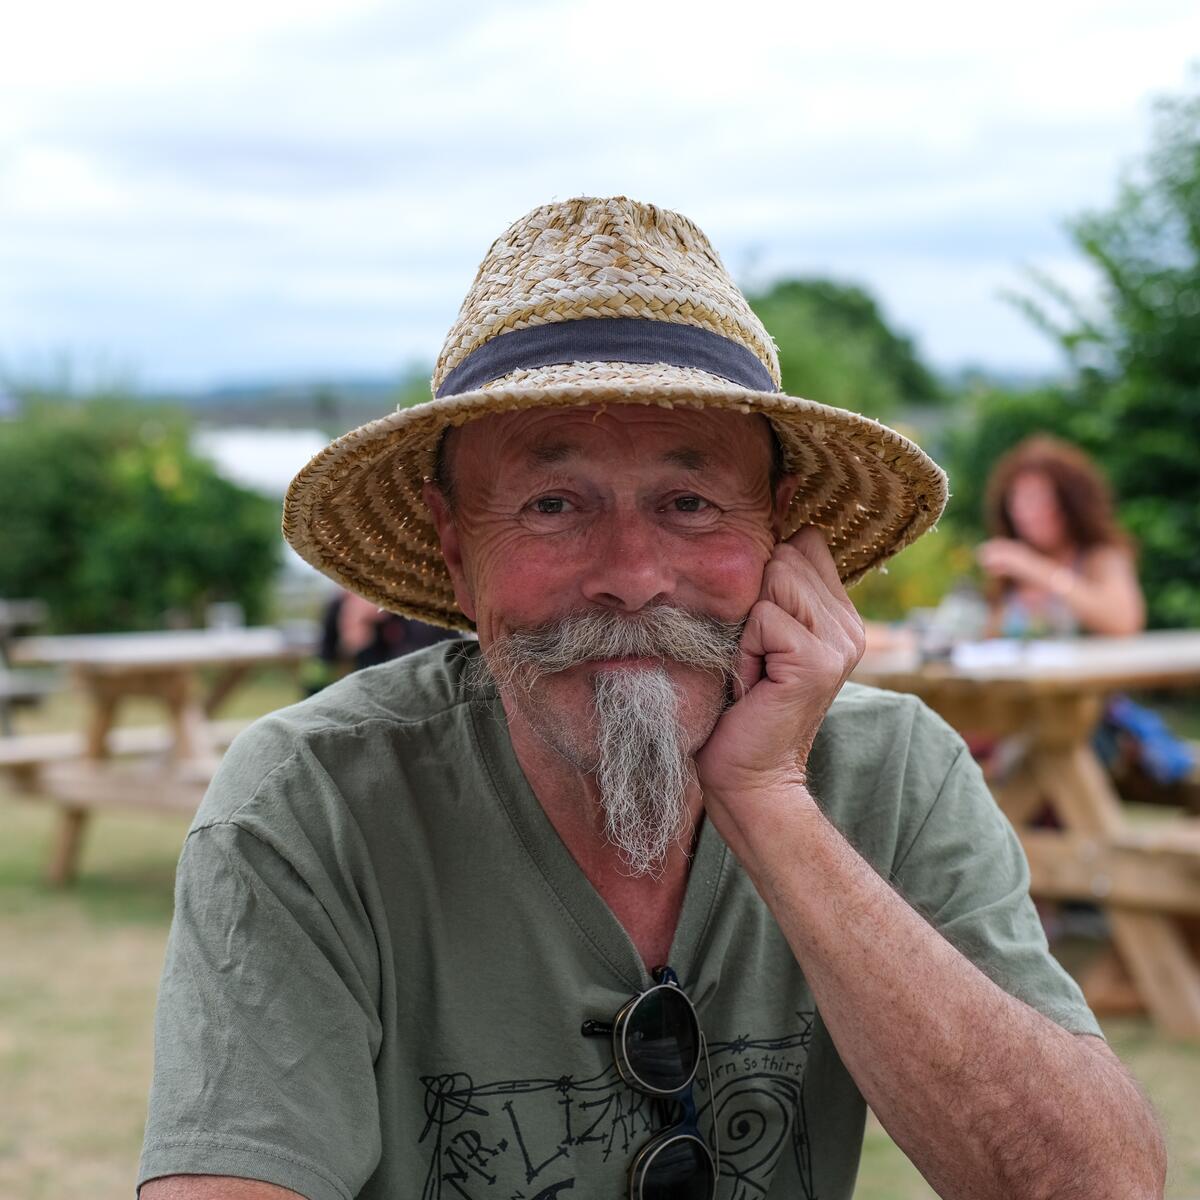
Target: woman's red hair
{"x": 1083, "y": 494}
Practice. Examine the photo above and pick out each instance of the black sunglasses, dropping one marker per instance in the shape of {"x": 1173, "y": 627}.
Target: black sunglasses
{"x": 657, "y": 1046}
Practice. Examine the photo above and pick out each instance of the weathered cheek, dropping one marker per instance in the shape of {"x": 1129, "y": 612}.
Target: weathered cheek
{"x": 509, "y": 571}
{"x": 733, "y": 569}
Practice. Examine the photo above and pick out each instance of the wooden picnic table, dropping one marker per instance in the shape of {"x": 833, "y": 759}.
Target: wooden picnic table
{"x": 1045, "y": 699}
{"x": 190, "y": 672}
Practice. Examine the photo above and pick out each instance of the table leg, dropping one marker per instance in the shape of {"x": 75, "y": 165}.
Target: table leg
{"x": 64, "y": 856}
{"x": 228, "y": 679}
{"x": 1152, "y": 946}
{"x": 1108, "y": 987}
{"x": 192, "y": 735}
{"x": 1020, "y": 796}
{"x": 1160, "y": 961}
{"x": 104, "y": 703}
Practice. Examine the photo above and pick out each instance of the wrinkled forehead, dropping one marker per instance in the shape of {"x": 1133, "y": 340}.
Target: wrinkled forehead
{"x": 692, "y": 439}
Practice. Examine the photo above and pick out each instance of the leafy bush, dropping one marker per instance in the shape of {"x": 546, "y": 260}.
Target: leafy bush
{"x": 918, "y": 577}
{"x": 1134, "y": 399}
{"x": 835, "y": 348}
{"x": 112, "y": 519}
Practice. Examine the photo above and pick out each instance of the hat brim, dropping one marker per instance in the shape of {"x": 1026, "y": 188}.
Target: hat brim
{"x": 355, "y": 511}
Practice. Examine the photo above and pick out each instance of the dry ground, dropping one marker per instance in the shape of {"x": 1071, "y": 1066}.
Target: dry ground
{"x": 78, "y": 970}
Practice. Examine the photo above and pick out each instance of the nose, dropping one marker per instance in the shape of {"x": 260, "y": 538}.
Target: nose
{"x": 628, "y": 564}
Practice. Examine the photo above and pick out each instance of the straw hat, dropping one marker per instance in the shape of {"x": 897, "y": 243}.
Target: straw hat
{"x": 598, "y": 302}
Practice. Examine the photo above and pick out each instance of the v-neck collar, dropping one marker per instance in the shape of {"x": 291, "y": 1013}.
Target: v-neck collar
{"x": 578, "y": 901}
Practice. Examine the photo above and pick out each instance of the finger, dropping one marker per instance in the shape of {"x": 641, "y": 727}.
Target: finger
{"x": 770, "y": 629}
{"x": 810, "y": 542}
{"x": 787, "y": 647}
{"x": 793, "y": 583}
{"x": 827, "y": 588}
{"x": 789, "y": 569}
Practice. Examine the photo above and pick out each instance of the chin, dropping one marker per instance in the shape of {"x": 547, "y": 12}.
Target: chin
{"x": 559, "y": 709}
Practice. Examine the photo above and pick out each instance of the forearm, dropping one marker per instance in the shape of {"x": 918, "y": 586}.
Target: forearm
{"x": 1108, "y": 603}
{"x": 983, "y": 1093}
{"x": 1109, "y": 611}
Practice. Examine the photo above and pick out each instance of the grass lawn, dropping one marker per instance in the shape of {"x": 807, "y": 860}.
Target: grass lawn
{"x": 77, "y": 982}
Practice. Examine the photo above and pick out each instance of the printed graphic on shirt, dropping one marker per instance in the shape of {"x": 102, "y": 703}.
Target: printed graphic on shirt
{"x": 529, "y": 1139}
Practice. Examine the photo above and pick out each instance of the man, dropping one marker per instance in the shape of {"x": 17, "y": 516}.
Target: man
{"x": 407, "y": 907}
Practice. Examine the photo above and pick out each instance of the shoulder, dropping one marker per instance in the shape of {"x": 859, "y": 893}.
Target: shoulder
{"x": 879, "y": 761}
{"x": 344, "y": 723}
{"x": 864, "y": 719}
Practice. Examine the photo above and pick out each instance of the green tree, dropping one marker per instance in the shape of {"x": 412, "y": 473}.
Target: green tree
{"x": 1133, "y": 399}
{"x": 113, "y": 520}
{"x": 835, "y": 347}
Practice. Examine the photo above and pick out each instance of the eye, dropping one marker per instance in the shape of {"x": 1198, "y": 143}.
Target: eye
{"x": 550, "y": 505}
{"x": 687, "y": 511}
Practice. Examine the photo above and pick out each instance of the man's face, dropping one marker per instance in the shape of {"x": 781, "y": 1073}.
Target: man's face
{"x": 621, "y": 509}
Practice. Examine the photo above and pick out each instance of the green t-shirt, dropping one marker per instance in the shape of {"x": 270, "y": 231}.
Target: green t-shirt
{"x": 382, "y": 954}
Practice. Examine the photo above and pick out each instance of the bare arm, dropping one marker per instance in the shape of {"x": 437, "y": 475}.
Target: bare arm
{"x": 1107, "y": 597}
{"x": 213, "y": 1187}
{"x": 1104, "y": 595}
{"x": 985, "y": 1095}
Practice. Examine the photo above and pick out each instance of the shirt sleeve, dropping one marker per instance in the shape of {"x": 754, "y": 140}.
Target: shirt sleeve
{"x": 266, "y": 1028}
{"x": 966, "y": 873}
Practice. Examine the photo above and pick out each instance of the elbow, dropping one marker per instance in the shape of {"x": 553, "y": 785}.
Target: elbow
{"x": 1118, "y": 1155}
{"x": 1120, "y": 624}
{"x": 1156, "y": 1161}
{"x": 1147, "y": 1183}
{"x": 1132, "y": 620}
{"x": 1140, "y": 1172}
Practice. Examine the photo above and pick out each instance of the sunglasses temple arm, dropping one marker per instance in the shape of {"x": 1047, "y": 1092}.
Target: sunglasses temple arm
{"x": 592, "y": 1028}
{"x": 712, "y": 1105}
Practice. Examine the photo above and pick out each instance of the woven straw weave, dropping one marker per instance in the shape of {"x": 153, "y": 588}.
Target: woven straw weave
{"x": 356, "y": 513}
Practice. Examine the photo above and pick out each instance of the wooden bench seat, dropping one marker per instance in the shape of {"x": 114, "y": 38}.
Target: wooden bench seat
{"x": 54, "y": 768}
{"x": 26, "y": 755}
{"x": 1142, "y": 870}
{"x": 131, "y": 783}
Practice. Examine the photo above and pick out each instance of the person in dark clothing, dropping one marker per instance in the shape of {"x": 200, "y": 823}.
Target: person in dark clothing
{"x": 357, "y": 634}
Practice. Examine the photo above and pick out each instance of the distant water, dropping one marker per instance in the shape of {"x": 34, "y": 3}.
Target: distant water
{"x": 262, "y": 459}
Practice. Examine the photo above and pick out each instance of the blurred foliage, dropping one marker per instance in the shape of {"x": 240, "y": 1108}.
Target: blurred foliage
{"x": 414, "y": 388}
{"x": 996, "y": 418}
{"x": 918, "y": 577}
{"x": 1134, "y": 398}
{"x": 835, "y": 347}
{"x": 114, "y": 521}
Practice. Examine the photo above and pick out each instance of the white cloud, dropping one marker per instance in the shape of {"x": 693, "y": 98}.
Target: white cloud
{"x": 270, "y": 186}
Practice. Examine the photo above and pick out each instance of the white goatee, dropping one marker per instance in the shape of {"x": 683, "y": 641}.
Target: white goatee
{"x": 640, "y": 756}
{"x": 643, "y": 770}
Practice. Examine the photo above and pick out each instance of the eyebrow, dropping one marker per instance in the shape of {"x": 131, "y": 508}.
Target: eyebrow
{"x": 688, "y": 460}
{"x": 550, "y": 454}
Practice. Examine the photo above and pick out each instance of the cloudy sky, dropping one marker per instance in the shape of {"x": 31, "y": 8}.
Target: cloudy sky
{"x": 251, "y": 189}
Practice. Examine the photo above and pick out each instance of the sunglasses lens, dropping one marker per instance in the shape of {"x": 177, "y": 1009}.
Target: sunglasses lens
{"x": 662, "y": 1040}
{"x": 679, "y": 1169}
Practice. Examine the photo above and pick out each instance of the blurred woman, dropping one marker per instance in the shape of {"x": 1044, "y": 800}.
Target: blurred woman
{"x": 1058, "y": 566}
{"x": 1057, "y": 561}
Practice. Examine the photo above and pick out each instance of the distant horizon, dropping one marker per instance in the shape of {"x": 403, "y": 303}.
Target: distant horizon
{"x": 389, "y": 380}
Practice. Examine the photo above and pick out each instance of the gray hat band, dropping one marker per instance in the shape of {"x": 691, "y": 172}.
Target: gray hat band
{"x": 608, "y": 339}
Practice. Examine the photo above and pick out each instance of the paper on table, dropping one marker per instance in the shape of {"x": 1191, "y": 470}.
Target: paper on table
{"x": 1001, "y": 653}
